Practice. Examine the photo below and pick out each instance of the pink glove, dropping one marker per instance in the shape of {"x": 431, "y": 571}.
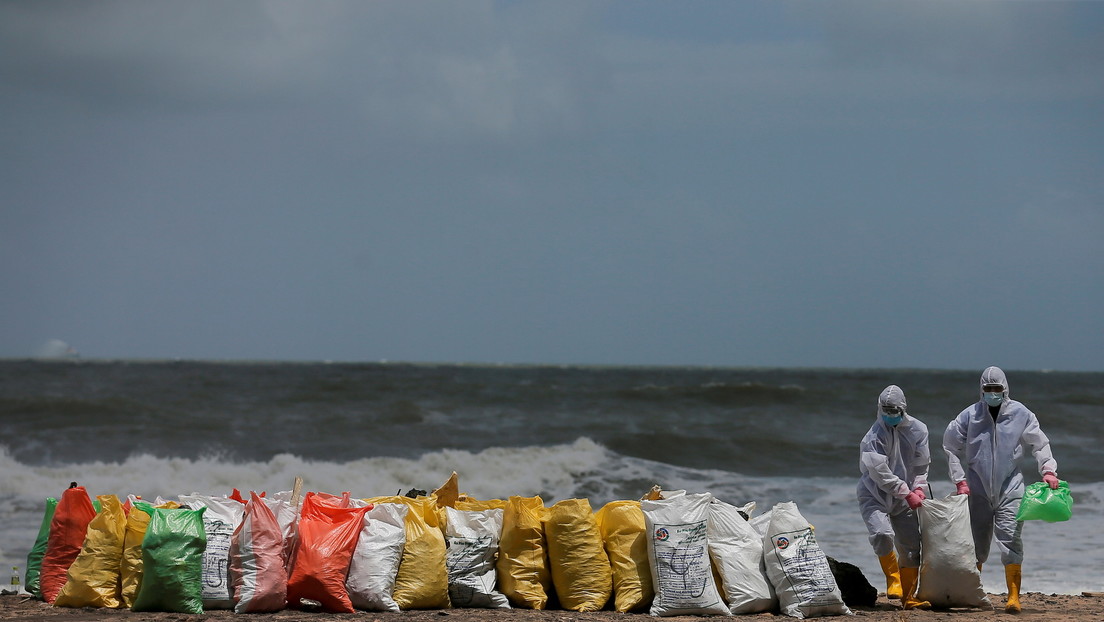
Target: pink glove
{"x": 1051, "y": 480}
{"x": 915, "y": 499}
{"x": 920, "y": 491}
{"x": 962, "y": 488}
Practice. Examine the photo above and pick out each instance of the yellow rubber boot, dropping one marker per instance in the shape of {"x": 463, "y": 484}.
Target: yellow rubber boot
{"x": 909, "y": 580}
{"x": 892, "y": 574}
{"x": 1012, "y": 577}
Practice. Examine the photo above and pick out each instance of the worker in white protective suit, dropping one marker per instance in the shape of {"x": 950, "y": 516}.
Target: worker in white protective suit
{"x": 893, "y": 460}
{"x": 989, "y": 439}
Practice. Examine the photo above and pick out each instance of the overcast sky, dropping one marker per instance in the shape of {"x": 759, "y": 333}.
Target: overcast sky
{"x": 845, "y": 184}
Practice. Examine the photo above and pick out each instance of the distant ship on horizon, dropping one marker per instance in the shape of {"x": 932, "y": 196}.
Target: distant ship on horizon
{"x": 56, "y": 349}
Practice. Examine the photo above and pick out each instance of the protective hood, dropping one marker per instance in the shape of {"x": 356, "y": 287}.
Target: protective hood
{"x": 993, "y": 375}
{"x": 892, "y": 396}
{"x": 893, "y": 459}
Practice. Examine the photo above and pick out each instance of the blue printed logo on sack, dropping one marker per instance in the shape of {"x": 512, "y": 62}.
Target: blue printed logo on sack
{"x": 662, "y": 534}
{"x": 781, "y": 542}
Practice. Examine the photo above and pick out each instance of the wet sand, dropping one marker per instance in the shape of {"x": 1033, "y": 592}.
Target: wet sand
{"x": 1035, "y": 607}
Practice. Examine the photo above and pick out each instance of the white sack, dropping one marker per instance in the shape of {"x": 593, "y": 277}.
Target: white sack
{"x": 761, "y": 523}
{"x": 371, "y": 580}
{"x": 747, "y": 508}
{"x": 678, "y": 554}
{"x": 287, "y": 516}
{"x": 737, "y": 553}
{"x": 222, "y": 517}
{"x": 798, "y": 568}
{"x": 472, "y": 538}
{"x": 948, "y": 565}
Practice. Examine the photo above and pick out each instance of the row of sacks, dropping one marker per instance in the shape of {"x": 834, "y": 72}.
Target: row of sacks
{"x": 670, "y": 553}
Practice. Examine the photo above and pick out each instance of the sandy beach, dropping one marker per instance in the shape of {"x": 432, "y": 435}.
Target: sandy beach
{"x": 1036, "y": 606}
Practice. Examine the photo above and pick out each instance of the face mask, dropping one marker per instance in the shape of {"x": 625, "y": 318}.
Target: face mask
{"x": 994, "y": 399}
{"x": 892, "y": 420}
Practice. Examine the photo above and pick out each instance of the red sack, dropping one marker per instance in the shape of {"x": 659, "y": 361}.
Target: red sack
{"x": 327, "y": 538}
{"x": 236, "y": 496}
{"x": 325, "y": 498}
{"x": 67, "y": 530}
{"x": 257, "y": 572}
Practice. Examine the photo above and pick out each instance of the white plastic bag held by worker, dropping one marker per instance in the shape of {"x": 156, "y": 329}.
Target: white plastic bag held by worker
{"x": 949, "y": 576}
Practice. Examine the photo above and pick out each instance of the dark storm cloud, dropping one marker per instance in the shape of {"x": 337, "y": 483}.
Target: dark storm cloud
{"x": 1006, "y": 43}
{"x": 751, "y": 183}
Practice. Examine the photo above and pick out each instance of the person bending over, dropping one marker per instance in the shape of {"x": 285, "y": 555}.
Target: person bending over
{"x": 893, "y": 460}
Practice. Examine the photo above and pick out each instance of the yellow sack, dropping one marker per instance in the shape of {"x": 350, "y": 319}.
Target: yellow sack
{"x": 471, "y": 504}
{"x": 580, "y": 568}
{"x": 94, "y": 575}
{"x": 422, "y": 579}
{"x": 621, "y": 524}
{"x": 136, "y": 524}
{"x": 447, "y": 495}
{"x": 522, "y": 567}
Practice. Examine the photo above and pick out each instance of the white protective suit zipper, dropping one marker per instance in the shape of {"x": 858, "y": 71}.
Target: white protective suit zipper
{"x": 893, "y": 448}
{"x": 891, "y": 456}
{"x": 993, "y": 492}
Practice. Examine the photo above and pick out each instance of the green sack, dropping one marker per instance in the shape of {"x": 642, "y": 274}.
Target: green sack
{"x": 1040, "y": 502}
{"x": 172, "y": 561}
{"x": 34, "y": 558}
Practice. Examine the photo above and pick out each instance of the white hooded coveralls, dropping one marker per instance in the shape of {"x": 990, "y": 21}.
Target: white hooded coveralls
{"x": 991, "y": 451}
{"x": 893, "y": 461}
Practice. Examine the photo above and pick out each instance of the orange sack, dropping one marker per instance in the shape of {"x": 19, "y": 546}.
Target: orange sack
{"x": 67, "y": 530}
{"x": 327, "y": 537}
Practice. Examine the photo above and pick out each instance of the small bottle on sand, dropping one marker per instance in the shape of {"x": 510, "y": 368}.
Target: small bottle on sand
{"x": 16, "y": 582}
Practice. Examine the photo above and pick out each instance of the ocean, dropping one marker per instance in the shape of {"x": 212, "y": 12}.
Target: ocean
{"x": 164, "y": 428}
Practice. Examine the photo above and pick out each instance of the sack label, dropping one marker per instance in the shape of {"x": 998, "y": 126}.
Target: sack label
{"x": 216, "y": 560}
{"x": 682, "y": 566}
{"x": 806, "y": 567}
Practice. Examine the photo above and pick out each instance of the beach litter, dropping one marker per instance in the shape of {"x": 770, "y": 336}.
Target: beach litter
{"x": 669, "y": 553}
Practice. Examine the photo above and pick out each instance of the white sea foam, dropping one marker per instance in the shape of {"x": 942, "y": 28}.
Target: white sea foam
{"x": 1057, "y": 558}
{"x": 496, "y": 472}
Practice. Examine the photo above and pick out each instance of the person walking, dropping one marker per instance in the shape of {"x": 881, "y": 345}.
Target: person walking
{"x": 984, "y": 444}
{"x": 893, "y": 461}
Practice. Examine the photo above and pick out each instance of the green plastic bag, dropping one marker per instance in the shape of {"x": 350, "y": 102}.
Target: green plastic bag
{"x": 34, "y": 558}
{"x": 172, "y": 561}
{"x": 1040, "y": 502}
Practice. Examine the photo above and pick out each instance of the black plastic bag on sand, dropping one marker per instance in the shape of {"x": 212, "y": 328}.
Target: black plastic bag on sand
{"x": 856, "y": 590}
